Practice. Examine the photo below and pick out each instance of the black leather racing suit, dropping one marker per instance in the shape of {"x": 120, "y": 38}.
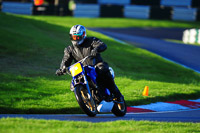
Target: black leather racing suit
{"x": 91, "y": 46}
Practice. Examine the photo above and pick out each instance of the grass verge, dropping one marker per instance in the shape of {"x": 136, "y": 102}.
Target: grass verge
{"x": 114, "y": 22}
{"x": 46, "y": 126}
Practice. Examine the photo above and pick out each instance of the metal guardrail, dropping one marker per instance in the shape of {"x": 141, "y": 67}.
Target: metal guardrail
{"x": 137, "y": 11}
{"x": 87, "y": 10}
{"x": 121, "y": 8}
{"x": 115, "y": 2}
{"x": 186, "y": 14}
{"x": 186, "y": 3}
{"x": 17, "y": 7}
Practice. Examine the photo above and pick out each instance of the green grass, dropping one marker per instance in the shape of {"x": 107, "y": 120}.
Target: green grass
{"x": 114, "y": 22}
{"x": 31, "y": 50}
{"x": 46, "y": 126}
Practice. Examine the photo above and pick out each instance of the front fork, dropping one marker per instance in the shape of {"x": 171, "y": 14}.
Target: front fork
{"x": 86, "y": 84}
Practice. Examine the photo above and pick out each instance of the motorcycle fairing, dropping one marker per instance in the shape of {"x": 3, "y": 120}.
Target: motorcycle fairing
{"x": 91, "y": 73}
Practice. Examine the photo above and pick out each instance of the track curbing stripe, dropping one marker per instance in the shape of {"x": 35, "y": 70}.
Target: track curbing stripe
{"x": 190, "y": 104}
{"x": 165, "y": 106}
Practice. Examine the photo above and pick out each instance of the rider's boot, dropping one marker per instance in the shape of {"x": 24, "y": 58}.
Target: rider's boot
{"x": 114, "y": 89}
{"x": 117, "y": 93}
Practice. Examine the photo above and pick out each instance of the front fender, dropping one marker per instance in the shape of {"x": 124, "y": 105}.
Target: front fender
{"x": 79, "y": 84}
{"x": 73, "y": 84}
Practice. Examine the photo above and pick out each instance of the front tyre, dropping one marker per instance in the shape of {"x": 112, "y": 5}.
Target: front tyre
{"x": 119, "y": 108}
{"x": 85, "y": 101}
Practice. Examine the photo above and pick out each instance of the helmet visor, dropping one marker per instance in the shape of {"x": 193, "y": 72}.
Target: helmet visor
{"x": 76, "y": 37}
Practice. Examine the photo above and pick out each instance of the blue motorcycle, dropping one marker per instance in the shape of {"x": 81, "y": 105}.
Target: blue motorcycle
{"x": 89, "y": 98}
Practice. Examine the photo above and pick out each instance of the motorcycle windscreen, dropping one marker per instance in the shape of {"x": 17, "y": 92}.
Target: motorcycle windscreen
{"x": 76, "y": 69}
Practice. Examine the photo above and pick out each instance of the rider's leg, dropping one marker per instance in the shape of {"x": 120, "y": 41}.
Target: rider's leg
{"x": 105, "y": 79}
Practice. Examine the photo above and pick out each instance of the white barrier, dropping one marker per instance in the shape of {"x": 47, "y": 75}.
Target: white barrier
{"x": 191, "y": 36}
{"x": 87, "y": 10}
{"x": 141, "y": 12}
{"x": 198, "y": 37}
{"x": 186, "y": 14}
{"x": 17, "y": 7}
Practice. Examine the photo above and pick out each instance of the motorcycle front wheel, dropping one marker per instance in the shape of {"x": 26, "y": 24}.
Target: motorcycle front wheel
{"x": 85, "y": 101}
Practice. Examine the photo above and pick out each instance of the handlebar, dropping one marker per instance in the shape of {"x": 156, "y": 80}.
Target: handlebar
{"x": 89, "y": 56}
{"x": 83, "y": 60}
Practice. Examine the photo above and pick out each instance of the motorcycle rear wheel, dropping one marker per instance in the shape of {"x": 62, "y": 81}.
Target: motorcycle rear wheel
{"x": 119, "y": 109}
{"x": 85, "y": 101}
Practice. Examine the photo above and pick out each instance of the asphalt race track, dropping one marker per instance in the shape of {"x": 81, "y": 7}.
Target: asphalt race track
{"x": 179, "y": 116}
{"x": 151, "y": 40}
{"x": 158, "y": 33}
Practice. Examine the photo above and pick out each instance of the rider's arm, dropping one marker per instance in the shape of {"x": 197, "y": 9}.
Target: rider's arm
{"x": 67, "y": 58}
{"x": 98, "y": 45}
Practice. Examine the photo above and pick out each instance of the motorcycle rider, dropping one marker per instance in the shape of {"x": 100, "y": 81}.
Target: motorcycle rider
{"x": 83, "y": 46}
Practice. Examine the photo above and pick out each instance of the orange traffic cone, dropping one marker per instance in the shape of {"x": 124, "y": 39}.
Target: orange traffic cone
{"x": 146, "y": 91}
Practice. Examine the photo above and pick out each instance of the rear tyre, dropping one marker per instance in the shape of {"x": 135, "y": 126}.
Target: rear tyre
{"x": 85, "y": 101}
{"x": 119, "y": 108}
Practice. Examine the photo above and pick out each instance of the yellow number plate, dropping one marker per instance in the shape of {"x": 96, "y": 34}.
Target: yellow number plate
{"x": 76, "y": 69}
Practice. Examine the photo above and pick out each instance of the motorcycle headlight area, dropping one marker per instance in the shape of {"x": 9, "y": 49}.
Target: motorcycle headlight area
{"x": 76, "y": 69}
{"x": 112, "y": 72}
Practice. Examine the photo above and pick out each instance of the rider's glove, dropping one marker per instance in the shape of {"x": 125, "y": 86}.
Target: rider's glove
{"x": 94, "y": 52}
{"x": 59, "y": 72}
